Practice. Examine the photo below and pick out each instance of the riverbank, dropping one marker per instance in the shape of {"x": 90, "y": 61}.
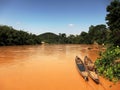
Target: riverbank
{"x": 108, "y": 64}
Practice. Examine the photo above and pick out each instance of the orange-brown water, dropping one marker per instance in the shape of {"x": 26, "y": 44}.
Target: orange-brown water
{"x": 47, "y": 67}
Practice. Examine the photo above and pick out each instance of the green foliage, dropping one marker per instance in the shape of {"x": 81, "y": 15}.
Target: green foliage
{"x": 106, "y": 64}
{"x": 113, "y": 16}
{"x": 113, "y": 21}
{"x": 10, "y": 36}
{"x": 84, "y": 38}
{"x": 62, "y": 38}
{"x": 98, "y": 33}
{"x": 49, "y": 37}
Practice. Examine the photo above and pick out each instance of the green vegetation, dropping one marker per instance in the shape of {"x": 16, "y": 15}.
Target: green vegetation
{"x": 49, "y": 37}
{"x": 98, "y": 33}
{"x": 10, "y": 36}
{"x": 113, "y": 21}
{"x": 108, "y": 64}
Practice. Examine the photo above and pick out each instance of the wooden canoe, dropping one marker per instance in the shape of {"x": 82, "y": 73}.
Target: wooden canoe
{"x": 81, "y": 67}
{"x": 91, "y": 69}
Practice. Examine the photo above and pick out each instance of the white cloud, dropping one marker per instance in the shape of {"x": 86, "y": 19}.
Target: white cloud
{"x": 71, "y": 25}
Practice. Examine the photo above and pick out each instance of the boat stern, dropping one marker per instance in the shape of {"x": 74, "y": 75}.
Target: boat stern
{"x": 86, "y": 78}
{"x": 97, "y": 81}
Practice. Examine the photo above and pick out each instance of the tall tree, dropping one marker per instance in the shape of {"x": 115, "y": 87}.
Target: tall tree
{"x": 84, "y": 38}
{"x": 62, "y": 38}
{"x": 98, "y": 33}
{"x": 113, "y": 21}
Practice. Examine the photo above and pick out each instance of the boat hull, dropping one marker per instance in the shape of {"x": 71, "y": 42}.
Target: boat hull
{"x": 81, "y": 68}
{"x": 91, "y": 70}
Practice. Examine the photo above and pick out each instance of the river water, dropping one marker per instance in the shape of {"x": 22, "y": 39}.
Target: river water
{"x": 47, "y": 67}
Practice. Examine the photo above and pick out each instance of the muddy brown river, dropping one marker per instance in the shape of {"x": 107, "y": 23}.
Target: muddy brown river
{"x": 47, "y": 67}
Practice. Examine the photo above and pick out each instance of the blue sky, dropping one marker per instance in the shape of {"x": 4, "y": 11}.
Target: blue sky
{"x": 57, "y": 16}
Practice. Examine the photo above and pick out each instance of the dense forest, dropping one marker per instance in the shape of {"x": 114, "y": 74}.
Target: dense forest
{"x": 10, "y": 36}
{"x": 98, "y": 33}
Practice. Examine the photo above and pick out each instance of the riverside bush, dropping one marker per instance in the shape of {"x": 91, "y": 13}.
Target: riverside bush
{"x": 108, "y": 65}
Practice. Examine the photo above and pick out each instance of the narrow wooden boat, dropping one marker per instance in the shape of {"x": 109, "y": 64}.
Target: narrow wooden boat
{"x": 81, "y": 68}
{"x": 91, "y": 69}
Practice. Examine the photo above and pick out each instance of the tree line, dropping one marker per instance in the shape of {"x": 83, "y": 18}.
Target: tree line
{"x": 11, "y": 36}
{"x": 98, "y": 33}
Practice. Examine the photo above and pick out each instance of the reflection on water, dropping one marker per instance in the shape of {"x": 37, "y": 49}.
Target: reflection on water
{"x": 46, "y": 67}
